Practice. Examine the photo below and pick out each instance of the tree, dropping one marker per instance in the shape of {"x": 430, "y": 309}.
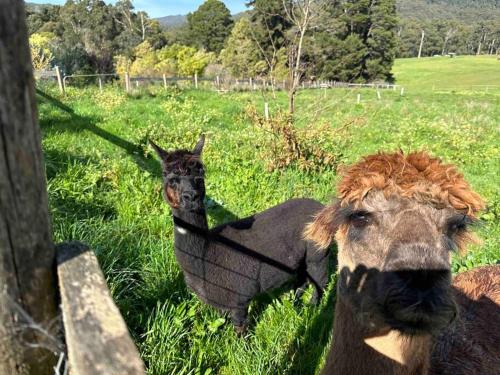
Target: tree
{"x": 210, "y": 25}
{"x": 301, "y": 14}
{"x": 40, "y": 47}
{"x": 380, "y": 41}
{"x": 268, "y": 31}
{"x": 240, "y": 54}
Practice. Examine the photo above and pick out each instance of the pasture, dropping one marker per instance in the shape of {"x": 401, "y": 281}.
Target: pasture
{"x": 104, "y": 186}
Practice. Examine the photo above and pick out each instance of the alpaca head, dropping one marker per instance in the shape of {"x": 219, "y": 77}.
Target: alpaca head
{"x": 183, "y": 177}
{"x": 397, "y": 219}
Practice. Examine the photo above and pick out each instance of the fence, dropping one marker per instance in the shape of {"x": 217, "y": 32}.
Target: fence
{"x": 217, "y": 83}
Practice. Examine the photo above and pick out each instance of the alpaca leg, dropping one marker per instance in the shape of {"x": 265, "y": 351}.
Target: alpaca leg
{"x": 239, "y": 317}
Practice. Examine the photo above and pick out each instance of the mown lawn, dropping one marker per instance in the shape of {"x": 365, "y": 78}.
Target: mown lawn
{"x": 104, "y": 190}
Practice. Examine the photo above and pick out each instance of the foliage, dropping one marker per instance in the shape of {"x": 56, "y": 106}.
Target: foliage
{"x": 240, "y": 54}
{"x": 210, "y": 25}
{"x": 282, "y": 145}
{"x": 171, "y": 60}
{"x": 40, "y": 47}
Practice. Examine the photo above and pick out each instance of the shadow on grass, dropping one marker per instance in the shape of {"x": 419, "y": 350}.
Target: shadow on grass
{"x": 79, "y": 123}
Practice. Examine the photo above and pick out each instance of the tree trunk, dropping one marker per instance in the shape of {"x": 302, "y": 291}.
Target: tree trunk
{"x": 27, "y": 282}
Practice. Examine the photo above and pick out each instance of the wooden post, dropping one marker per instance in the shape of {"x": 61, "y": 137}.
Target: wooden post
{"x": 359, "y": 99}
{"x": 251, "y": 83}
{"x": 266, "y": 110}
{"x": 27, "y": 255}
{"x": 136, "y": 83}
{"x": 402, "y": 91}
{"x": 97, "y": 338}
{"x": 100, "y": 84}
{"x": 378, "y": 95}
{"x": 60, "y": 80}
{"x": 164, "y": 80}
{"x": 127, "y": 82}
{"x": 195, "y": 80}
{"x": 217, "y": 79}
{"x": 421, "y": 44}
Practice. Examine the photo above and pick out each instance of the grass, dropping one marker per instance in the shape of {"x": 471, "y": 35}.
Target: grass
{"x": 444, "y": 73}
{"x": 104, "y": 190}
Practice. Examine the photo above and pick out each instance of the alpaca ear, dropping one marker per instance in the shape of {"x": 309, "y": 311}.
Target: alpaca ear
{"x": 199, "y": 146}
{"x": 159, "y": 151}
{"x": 322, "y": 230}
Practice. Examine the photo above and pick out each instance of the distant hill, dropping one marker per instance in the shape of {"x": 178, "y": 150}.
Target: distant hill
{"x": 464, "y": 10}
{"x": 423, "y": 10}
{"x": 35, "y": 8}
{"x": 172, "y": 22}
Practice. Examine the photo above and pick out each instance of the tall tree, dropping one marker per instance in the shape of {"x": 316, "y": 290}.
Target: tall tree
{"x": 380, "y": 40}
{"x": 210, "y": 25}
{"x": 240, "y": 54}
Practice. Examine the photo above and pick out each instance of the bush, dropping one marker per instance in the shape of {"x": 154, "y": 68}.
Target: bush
{"x": 315, "y": 147}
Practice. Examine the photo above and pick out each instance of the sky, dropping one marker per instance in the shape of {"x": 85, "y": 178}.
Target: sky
{"x": 160, "y": 8}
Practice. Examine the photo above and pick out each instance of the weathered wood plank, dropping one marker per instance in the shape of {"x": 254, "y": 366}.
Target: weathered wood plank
{"x": 97, "y": 338}
{"x": 28, "y": 307}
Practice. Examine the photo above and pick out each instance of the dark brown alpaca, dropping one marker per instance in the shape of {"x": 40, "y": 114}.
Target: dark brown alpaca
{"x": 227, "y": 266}
{"x": 396, "y": 221}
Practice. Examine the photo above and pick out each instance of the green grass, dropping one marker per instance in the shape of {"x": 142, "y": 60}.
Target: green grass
{"x": 104, "y": 190}
{"x": 444, "y": 73}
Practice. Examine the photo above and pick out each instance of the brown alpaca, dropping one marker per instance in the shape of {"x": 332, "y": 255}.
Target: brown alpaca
{"x": 396, "y": 221}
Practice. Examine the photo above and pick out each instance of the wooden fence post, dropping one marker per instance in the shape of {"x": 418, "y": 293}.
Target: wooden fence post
{"x": 100, "y": 84}
{"x": 27, "y": 255}
{"x": 266, "y": 110}
{"x": 127, "y": 82}
{"x": 359, "y": 99}
{"x": 402, "y": 91}
{"x": 60, "y": 81}
{"x": 195, "y": 80}
{"x": 164, "y": 80}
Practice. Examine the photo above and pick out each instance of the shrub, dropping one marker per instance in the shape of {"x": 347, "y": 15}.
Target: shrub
{"x": 315, "y": 147}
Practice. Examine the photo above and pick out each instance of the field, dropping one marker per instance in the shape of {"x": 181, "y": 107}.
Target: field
{"x": 104, "y": 189}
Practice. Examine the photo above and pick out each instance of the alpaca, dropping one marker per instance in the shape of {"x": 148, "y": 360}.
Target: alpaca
{"x": 229, "y": 265}
{"x": 396, "y": 220}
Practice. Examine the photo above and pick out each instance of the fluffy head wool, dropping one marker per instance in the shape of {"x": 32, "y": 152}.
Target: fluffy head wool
{"x": 415, "y": 176}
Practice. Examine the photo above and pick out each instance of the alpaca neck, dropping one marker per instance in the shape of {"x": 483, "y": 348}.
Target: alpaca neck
{"x": 359, "y": 350}
{"x": 189, "y": 231}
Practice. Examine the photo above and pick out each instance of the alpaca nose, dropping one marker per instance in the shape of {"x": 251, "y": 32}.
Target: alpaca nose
{"x": 421, "y": 280}
{"x": 417, "y": 266}
{"x": 190, "y": 196}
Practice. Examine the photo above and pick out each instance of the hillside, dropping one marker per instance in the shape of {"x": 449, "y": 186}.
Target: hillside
{"x": 423, "y": 10}
{"x": 463, "y": 10}
{"x": 35, "y": 8}
{"x": 173, "y": 22}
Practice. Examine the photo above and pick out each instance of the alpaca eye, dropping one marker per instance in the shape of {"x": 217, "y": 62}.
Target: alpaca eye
{"x": 458, "y": 224}
{"x": 359, "y": 219}
{"x": 173, "y": 181}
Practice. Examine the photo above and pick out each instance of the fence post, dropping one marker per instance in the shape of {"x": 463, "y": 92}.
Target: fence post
{"x": 217, "y": 79}
{"x": 27, "y": 254}
{"x": 195, "y": 80}
{"x": 378, "y": 95}
{"x": 359, "y": 99}
{"x": 402, "y": 91}
{"x": 164, "y": 80}
{"x": 60, "y": 80}
{"x": 266, "y": 110}
{"x": 127, "y": 82}
{"x": 100, "y": 84}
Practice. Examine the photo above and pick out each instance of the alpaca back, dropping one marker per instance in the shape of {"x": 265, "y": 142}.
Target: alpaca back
{"x": 471, "y": 344}
{"x": 232, "y": 277}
